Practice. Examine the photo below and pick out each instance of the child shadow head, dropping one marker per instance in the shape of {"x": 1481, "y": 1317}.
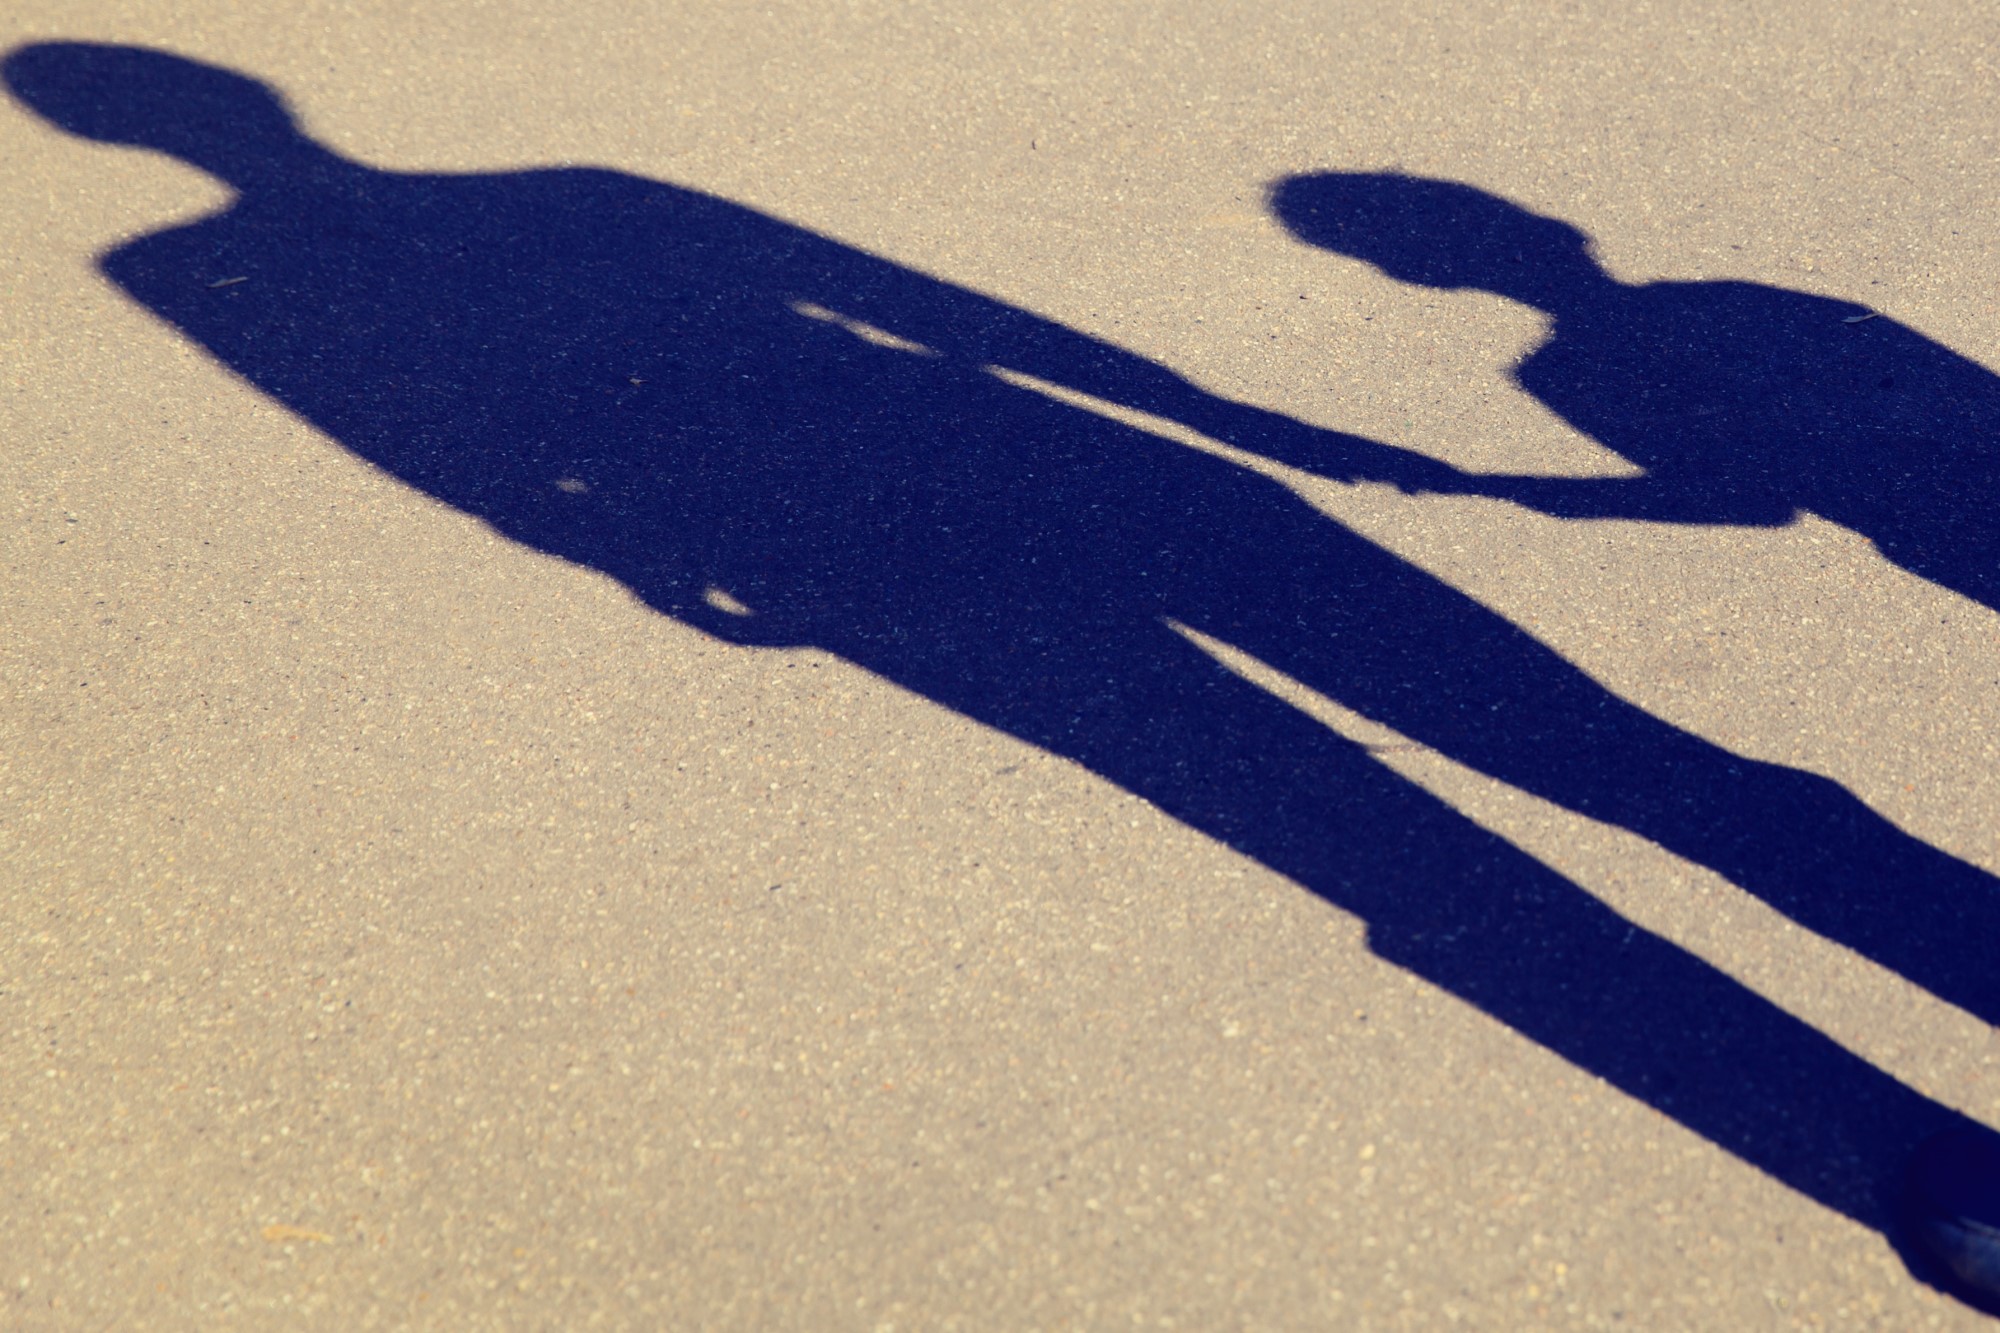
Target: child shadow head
{"x": 1434, "y": 233}
{"x": 227, "y": 124}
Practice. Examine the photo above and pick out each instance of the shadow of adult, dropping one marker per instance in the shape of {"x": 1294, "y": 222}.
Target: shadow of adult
{"x": 782, "y": 440}
{"x": 1744, "y": 404}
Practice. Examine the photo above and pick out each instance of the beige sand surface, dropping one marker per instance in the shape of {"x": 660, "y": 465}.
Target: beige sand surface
{"x": 403, "y": 928}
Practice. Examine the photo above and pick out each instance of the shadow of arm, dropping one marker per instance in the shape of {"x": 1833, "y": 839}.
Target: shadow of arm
{"x": 1643, "y": 499}
{"x": 977, "y": 330}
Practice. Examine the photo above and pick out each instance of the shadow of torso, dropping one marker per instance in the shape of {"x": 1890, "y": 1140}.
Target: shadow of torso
{"x": 1745, "y": 404}
{"x": 691, "y": 396}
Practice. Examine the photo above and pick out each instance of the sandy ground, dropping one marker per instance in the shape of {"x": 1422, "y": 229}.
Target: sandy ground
{"x": 405, "y": 928}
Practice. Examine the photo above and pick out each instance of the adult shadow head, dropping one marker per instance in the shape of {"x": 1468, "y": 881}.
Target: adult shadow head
{"x": 781, "y": 439}
{"x": 1743, "y": 403}
{"x": 231, "y": 127}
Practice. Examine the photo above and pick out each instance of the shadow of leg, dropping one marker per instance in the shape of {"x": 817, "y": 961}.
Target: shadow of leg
{"x": 1459, "y": 907}
{"x": 1397, "y": 646}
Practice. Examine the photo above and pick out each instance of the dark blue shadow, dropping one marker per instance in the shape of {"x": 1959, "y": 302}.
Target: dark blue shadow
{"x": 1744, "y": 404}
{"x": 783, "y": 440}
